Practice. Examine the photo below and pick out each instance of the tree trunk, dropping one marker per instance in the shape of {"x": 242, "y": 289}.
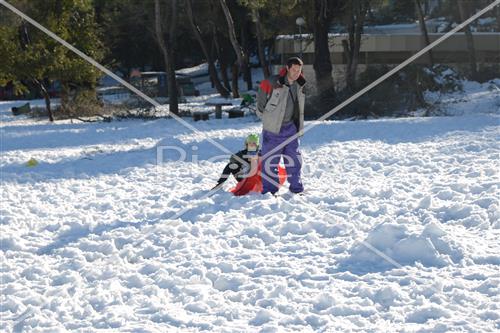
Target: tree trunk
{"x": 322, "y": 63}
{"x": 167, "y": 52}
{"x": 225, "y": 77}
{"x": 212, "y": 71}
{"x": 240, "y": 54}
{"x": 463, "y": 11}
{"x": 497, "y": 11}
{"x": 260, "y": 43}
{"x": 173, "y": 93}
{"x": 247, "y": 71}
{"x": 234, "y": 76}
{"x": 348, "y": 46}
{"x": 271, "y": 46}
{"x": 222, "y": 60}
{"x": 65, "y": 98}
{"x": 356, "y": 18}
{"x": 348, "y": 57}
{"x": 423, "y": 30}
{"x": 222, "y": 55}
{"x": 46, "y": 97}
{"x": 360, "y": 20}
{"x": 213, "y": 55}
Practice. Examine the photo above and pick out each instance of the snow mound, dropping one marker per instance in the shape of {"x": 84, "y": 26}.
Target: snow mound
{"x": 399, "y": 247}
{"x": 474, "y": 98}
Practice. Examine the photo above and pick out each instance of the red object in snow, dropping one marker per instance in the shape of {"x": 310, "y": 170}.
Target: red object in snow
{"x": 254, "y": 183}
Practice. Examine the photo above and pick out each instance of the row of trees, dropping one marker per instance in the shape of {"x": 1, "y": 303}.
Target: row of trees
{"x": 171, "y": 34}
{"x": 31, "y": 58}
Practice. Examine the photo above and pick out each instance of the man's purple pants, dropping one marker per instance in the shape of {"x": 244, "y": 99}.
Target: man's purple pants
{"x": 291, "y": 157}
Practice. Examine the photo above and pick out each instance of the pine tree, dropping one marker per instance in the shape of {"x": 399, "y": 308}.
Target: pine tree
{"x": 33, "y": 57}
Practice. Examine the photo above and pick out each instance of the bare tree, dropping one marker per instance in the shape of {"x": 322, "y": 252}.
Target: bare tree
{"x": 221, "y": 56}
{"x": 260, "y": 43}
{"x": 464, "y": 12}
{"x": 245, "y": 45}
{"x": 255, "y": 6}
{"x": 423, "y": 30}
{"x": 212, "y": 71}
{"x": 167, "y": 47}
{"x": 356, "y": 14}
{"x": 242, "y": 59}
{"x": 323, "y": 15}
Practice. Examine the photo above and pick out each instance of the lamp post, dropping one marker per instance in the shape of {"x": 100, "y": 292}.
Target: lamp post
{"x": 300, "y": 21}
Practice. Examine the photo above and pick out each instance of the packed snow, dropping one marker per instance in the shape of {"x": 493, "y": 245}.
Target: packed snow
{"x": 113, "y": 232}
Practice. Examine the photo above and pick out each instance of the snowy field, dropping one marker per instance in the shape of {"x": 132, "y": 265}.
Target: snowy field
{"x": 399, "y": 230}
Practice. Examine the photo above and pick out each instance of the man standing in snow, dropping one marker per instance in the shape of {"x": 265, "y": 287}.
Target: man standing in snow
{"x": 280, "y": 105}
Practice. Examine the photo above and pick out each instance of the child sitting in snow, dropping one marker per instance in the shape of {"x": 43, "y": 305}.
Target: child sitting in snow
{"x": 246, "y": 165}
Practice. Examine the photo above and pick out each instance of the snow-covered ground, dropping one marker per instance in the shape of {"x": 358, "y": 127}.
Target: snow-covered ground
{"x": 399, "y": 230}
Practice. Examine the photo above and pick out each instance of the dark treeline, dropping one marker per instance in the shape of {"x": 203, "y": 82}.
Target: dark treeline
{"x": 167, "y": 35}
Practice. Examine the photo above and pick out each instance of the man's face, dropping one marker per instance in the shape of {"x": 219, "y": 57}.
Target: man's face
{"x": 294, "y": 72}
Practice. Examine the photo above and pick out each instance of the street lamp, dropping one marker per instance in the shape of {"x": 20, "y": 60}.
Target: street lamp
{"x": 300, "y": 21}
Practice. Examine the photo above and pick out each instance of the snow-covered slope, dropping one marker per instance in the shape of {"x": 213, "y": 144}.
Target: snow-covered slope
{"x": 399, "y": 230}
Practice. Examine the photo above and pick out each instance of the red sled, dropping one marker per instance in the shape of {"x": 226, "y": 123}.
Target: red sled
{"x": 254, "y": 183}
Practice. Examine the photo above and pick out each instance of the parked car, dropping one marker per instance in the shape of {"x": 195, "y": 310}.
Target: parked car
{"x": 155, "y": 84}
